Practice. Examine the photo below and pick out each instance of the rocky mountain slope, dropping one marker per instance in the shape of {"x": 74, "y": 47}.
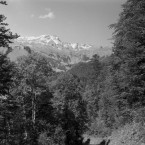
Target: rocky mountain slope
{"x": 62, "y": 55}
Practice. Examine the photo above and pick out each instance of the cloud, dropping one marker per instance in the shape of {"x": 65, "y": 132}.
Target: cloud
{"x": 49, "y": 15}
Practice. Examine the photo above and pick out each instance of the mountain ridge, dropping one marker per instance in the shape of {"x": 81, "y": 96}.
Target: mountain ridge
{"x": 62, "y": 55}
{"x": 50, "y": 39}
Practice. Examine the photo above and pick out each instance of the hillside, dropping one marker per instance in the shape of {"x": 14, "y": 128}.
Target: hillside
{"x": 62, "y": 55}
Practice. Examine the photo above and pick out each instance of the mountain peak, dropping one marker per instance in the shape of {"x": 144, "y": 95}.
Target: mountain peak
{"x": 61, "y": 55}
{"x": 43, "y": 39}
{"x": 52, "y": 40}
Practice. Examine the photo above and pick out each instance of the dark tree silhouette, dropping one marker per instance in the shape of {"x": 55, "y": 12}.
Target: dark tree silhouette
{"x": 6, "y": 36}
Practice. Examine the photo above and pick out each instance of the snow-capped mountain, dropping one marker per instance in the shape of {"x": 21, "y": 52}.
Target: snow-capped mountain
{"x": 62, "y": 55}
{"x": 43, "y": 39}
{"x": 53, "y": 41}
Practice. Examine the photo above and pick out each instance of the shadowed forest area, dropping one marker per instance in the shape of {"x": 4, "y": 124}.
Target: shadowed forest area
{"x": 104, "y": 97}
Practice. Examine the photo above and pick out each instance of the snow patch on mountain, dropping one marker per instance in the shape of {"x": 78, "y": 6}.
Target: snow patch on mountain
{"x": 61, "y": 55}
{"x": 53, "y": 41}
{"x": 74, "y": 45}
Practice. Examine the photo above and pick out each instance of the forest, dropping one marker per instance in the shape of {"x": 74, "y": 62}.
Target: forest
{"x": 104, "y": 97}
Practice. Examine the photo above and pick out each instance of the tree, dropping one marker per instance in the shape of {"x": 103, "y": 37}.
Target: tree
{"x": 70, "y": 107}
{"x": 129, "y": 51}
{"x": 7, "y": 69}
{"x": 6, "y": 36}
{"x": 32, "y": 91}
{"x": 92, "y": 88}
{"x": 87, "y": 72}
{"x": 128, "y": 67}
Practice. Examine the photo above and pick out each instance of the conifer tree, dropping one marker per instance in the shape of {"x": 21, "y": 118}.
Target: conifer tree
{"x": 6, "y": 36}
{"x": 70, "y": 108}
{"x": 129, "y": 54}
{"x": 7, "y": 102}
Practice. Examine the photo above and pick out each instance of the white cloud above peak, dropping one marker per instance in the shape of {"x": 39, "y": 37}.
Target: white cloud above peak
{"x": 49, "y": 15}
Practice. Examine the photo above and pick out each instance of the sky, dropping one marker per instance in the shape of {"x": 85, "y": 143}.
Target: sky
{"x": 75, "y": 21}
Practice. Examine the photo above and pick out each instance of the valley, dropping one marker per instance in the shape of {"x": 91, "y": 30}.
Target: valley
{"x": 62, "y": 55}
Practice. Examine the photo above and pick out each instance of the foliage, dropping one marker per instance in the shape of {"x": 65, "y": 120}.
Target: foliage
{"x": 70, "y": 107}
{"x": 7, "y": 70}
{"x": 121, "y": 81}
{"x": 126, "y": 90}
{"x": 129, "y": 51}
{"x": 39, "y": 106}
{"x": 87, "y": 71}
{"x": 32, "y": 90}
{"x": 8, "y": 104}
{"x": 6, "y": 36}
{"x": 130, "y": 134}
{"x": 8, "y": 115}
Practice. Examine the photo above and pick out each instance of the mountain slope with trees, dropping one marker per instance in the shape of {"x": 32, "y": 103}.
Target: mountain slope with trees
{"x": 103, "y": 96}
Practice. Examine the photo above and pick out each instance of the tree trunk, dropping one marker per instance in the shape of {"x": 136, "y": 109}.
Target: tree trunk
{"x": 24, "y": 118}
{"x": 34, "y": 109}
{"x": 34, "y": 136}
